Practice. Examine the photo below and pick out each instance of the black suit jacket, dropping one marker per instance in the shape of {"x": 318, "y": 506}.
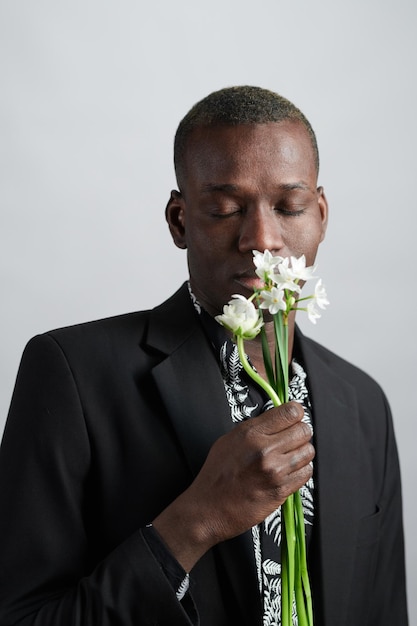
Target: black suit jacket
{"x": 111, "y": 420}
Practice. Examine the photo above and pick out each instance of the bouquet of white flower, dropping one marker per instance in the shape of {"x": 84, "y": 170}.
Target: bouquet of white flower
{"x": 280, "y": 294}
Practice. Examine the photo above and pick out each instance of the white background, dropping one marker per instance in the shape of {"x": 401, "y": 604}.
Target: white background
{"x": 91, "y": 94}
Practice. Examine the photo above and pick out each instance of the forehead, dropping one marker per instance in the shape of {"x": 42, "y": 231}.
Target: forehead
{"x": 254, "y": 151}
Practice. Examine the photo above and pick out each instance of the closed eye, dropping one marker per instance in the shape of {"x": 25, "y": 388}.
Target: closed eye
{"x": 290, "y": 212}
{"x": 223, "y": 213}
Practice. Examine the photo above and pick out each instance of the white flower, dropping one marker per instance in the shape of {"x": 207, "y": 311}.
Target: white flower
{"x": 319, "y": 299}
{"x": 241, "y": 317}
{"x": 265, "y": 263}
{"x": 320, "y": 295}
{"x": 273, "y": 300}
{"x": 312, "y": 311}
{"x": 299, "y": 269}
{"x": 284, "y": 276}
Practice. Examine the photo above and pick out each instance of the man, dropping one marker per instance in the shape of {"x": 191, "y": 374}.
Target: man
{"x": 141, "y": 473}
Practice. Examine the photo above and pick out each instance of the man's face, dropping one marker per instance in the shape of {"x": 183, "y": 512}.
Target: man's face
{"x": 248, "y": 187}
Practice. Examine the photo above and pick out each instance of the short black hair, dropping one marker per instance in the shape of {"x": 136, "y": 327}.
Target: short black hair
{"x": 234, "y": 106}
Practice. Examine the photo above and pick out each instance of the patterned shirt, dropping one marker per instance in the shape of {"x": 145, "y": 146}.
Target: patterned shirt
{"x": 247, "y": 400}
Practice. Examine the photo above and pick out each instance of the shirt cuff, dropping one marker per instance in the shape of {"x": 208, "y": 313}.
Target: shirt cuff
{"x": 176, "y": 575}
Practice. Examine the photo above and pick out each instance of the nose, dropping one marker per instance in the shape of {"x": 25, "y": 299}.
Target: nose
{"x": 260, "y": 230}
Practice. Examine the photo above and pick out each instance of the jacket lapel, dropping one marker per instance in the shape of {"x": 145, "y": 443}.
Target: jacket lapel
{"x": 336, "y": 426}
{"x": 190, "y": 384}
{"x": 188, "y": 378}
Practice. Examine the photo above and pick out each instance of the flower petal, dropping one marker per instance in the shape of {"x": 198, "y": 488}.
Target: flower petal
{"x": 320, "y": 295}
{"x": 241, "y": 317}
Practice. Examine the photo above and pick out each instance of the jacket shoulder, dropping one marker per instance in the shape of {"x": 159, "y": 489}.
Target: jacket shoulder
{"x": 114, "y": 335}
{"x": 124, "y": 325}
{"x": 341, "y": 367}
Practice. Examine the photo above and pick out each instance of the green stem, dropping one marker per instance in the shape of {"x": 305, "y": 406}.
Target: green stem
{"x": 281, "y": 355}
{"x": 254, "y": 375}
{"x": 286, "y": 602}
{"x": 303, "y": 596}
{"x": 285, "y": 358}
{"x": 288, "y": 566}
{"x": 266, "y": 353}
{"x": 304, "y": 298}
{"x": 294, "y": 574}
{"x": 302, "y": 616}
{"x": 301, "y": 541}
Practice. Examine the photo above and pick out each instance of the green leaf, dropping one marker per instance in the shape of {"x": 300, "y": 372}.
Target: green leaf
{"x": 269, "y": 369}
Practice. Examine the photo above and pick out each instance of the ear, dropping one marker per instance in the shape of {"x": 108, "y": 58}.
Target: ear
{"x": 324, "y": 210}
{"x": 175, "y": 216}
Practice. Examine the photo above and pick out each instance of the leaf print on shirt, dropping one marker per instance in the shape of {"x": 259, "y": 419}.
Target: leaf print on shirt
{"x": 194, "y": 300}
{"x": 236, "y": 391}
{"x": 272, "y": 525}
{"x": 272, "y": 593}
{"x": 256, "y": 538}
{"x": 306, "y": 493}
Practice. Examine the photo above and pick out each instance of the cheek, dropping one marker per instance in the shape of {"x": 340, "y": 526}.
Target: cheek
{"x": 204, "y": 257}
{"x": 198, "y": 242}
{"x": 211, "y": 240}
{"x": 305, "y": 239}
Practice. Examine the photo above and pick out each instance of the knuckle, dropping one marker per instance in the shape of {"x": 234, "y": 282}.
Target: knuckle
{"x": 301, "y": 433}
{"x": 306, "y": 474}
{"x": 263, "y": 461}
{"x": 295, "y": 461}
{"x": 271, "y": 467}
{"x": 311, "y": 452}
{"x": 292, "y": 411}
{"x": 307, "y": 430}
{"x": 303, "y": 457}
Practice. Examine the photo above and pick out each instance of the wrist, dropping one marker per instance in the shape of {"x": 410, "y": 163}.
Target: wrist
{"x": 185, "y": 532}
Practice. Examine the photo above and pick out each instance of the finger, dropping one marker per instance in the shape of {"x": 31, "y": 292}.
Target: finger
{"x": 294, "y": 482}
{"x": 293, "y": 438}
{"x": 279, "y": 469}
{"x": 279, "y": 418}
{"x": 300, "y": 457}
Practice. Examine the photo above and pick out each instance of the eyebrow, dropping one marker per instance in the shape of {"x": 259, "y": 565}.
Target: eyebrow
{"x": 230, "y": 188}
{"x": 292, "y": 186}
{"x": 224, "y": 187}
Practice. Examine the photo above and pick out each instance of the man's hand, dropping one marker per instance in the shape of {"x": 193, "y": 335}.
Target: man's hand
{"x": 248, "y": 474}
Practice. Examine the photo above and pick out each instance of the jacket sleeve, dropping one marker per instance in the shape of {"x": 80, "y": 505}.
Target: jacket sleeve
{"x": 389, "y": 604}
{"x": 48, "y": 574}
{"x": 378, "y": 594}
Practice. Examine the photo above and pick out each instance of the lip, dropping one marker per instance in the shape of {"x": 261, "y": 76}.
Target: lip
{"x": 249, "y": 281}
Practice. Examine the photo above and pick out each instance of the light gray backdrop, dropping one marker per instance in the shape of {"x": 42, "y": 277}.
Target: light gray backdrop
{"x": 91, "y": 93}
